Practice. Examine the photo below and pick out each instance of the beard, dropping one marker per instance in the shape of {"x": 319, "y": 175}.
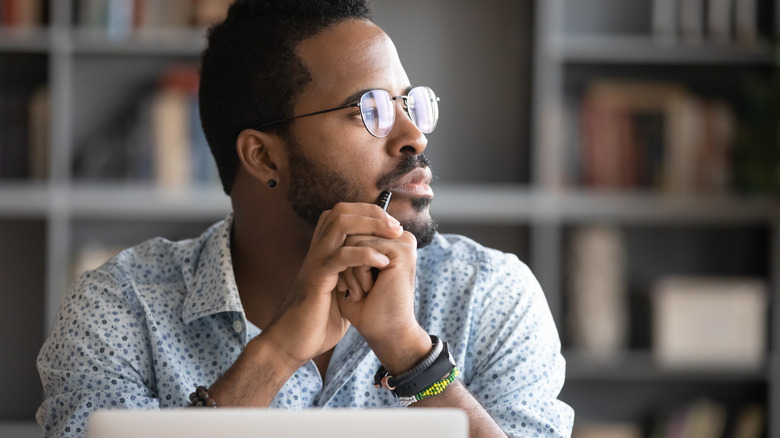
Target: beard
{"x": 315, "y": 189}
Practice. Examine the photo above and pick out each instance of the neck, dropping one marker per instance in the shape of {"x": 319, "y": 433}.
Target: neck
{"x": 268, "y": 248}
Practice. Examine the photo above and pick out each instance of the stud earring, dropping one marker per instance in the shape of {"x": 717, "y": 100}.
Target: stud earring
{"x": 271, "y": 183}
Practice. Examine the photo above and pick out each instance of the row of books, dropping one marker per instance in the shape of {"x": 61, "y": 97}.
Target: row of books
{"x": 159, "y": 141}
{"x": 120, "y": 18}
{"x": 19, "y": 14}
{"x": 700, "y": 418}
{"x": 24, "y": 133}
{"x": 698, "y": 322}
{"x": 697, "y": 21}
{"x": 651, "y": 135}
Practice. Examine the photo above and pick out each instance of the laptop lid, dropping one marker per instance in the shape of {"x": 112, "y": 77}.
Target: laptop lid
{"x": 279, "y": 423}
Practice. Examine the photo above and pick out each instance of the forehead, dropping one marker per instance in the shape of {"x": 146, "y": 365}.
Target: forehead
{"x": 350, "y": 56}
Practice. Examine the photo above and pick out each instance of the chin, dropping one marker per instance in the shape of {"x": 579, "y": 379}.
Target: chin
{"x": 422, "y": 226}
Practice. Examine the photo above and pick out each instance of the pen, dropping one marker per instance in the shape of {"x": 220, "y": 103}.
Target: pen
{"x": 384, "y": 199}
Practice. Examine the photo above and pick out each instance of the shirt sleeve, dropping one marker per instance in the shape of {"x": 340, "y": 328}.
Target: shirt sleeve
{"x": 517, "y": 370}
{"x": 97, "y": 356}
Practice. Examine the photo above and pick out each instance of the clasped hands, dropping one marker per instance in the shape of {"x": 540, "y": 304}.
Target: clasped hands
{"x": 347, "y": 243}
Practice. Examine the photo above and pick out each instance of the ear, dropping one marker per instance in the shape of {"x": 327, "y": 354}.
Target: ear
{"x": 260, "y": 154}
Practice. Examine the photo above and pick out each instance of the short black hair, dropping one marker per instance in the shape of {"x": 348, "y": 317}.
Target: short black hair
{"x": 250, "y": 72}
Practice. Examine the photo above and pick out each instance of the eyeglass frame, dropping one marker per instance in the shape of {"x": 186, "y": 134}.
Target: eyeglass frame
{"x": 353, "y": 105}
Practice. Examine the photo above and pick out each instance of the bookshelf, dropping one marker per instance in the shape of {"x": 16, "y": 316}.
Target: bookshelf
{"x": 502, "y": 174}
{"x": 685, "y": 232}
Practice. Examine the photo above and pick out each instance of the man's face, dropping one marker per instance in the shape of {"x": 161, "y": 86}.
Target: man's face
{"x": 332, "y": 157}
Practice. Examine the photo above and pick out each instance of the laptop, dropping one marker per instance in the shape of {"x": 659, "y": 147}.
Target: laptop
{"x": 279, "y": 423}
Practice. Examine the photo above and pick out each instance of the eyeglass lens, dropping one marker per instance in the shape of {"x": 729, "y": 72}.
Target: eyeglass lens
{"x": 377, "y": 107}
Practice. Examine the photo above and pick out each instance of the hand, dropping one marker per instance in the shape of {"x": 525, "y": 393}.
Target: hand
{"x": 309, "y": 322}
{"x": 383, "y": 310}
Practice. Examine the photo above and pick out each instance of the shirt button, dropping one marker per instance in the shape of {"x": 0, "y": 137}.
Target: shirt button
{"x": 238, "y": 326}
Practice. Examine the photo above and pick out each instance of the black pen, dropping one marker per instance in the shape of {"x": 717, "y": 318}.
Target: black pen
{"x": 384, "y": 199}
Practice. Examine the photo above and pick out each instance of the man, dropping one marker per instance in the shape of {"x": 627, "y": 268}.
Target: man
{"x": 307, "y": 288}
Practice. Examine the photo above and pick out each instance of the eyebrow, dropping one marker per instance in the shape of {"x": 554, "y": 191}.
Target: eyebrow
{"x": 354, "y": 97}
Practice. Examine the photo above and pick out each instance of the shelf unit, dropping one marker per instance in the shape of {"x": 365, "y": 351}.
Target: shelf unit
{"x": 578, "y": 41}
{"x": 510, "y": 192}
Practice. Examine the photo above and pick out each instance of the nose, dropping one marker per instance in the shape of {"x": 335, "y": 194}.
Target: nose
{"x": 405, "y": 137}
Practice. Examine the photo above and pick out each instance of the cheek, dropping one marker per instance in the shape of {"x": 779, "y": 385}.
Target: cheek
{"x": 359, "y": 159}
{"x": 347, "y": 151}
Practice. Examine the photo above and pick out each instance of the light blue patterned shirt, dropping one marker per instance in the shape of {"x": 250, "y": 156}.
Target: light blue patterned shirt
{"x": 162, "y": 317}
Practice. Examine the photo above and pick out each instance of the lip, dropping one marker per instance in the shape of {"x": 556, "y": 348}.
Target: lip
{"x": 415, "y": 183}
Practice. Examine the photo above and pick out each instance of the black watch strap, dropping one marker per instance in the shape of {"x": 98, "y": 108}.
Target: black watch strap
{"x": 441, "y": 367}
{"x": 406, "y": 376}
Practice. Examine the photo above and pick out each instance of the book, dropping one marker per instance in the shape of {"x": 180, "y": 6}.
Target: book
{"x": 648, "y": 131}
{"x": 692, "y": 21}
{"x": 170, "y": 120}
{"x": 119, "y": 19}
{"x": 203, "y": 168}
{"x": 92, "y": 14}
{"x": 149, "y": 15}
{"x": 180, "y": 152}
{"x": 709, "y": 323}
{"x": 720, "y": 18}
{"x": 717, "y": 136}
{"x": 597, "y": 288}
{"x": 665, "y": 20}
{"x": 682, "y": 140}
{"x": 21, "y": 14}
{"x": 8, "y": 12}
{"x": 746, "y": 22}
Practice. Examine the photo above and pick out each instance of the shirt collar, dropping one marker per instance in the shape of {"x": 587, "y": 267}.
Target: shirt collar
{"x": 208, "y": 275}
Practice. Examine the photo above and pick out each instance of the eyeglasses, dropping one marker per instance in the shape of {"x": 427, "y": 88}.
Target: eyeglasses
{"x": 377, "y": 109}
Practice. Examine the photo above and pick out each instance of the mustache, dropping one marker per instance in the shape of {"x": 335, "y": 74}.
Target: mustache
{"x": 409, "y": 163}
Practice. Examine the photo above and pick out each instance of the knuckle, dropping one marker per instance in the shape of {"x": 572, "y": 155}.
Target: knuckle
{"x": 409, "y": 238}
{"x": 342, "y": 220}
{"x": 340, "y": 207}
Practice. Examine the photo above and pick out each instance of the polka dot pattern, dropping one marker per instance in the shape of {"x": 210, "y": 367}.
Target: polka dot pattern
{"x": 144, "y": 329}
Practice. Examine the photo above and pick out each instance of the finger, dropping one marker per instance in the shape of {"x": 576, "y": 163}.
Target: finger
{"x": 347, "y": 257}
{"x": 364, "y": 277}
{"x": 341, "y": 285}
{"x": 336, "y": 225}
{"x": 404, "y": 247}
{"x": 355, "y": 288}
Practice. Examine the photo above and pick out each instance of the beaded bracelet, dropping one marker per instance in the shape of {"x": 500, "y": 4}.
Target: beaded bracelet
{"x": 200, "y": 398}
{"x": 435, "y": 389}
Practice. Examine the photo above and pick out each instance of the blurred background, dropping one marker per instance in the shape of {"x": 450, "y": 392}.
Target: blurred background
{"x": 627, "y": 151}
